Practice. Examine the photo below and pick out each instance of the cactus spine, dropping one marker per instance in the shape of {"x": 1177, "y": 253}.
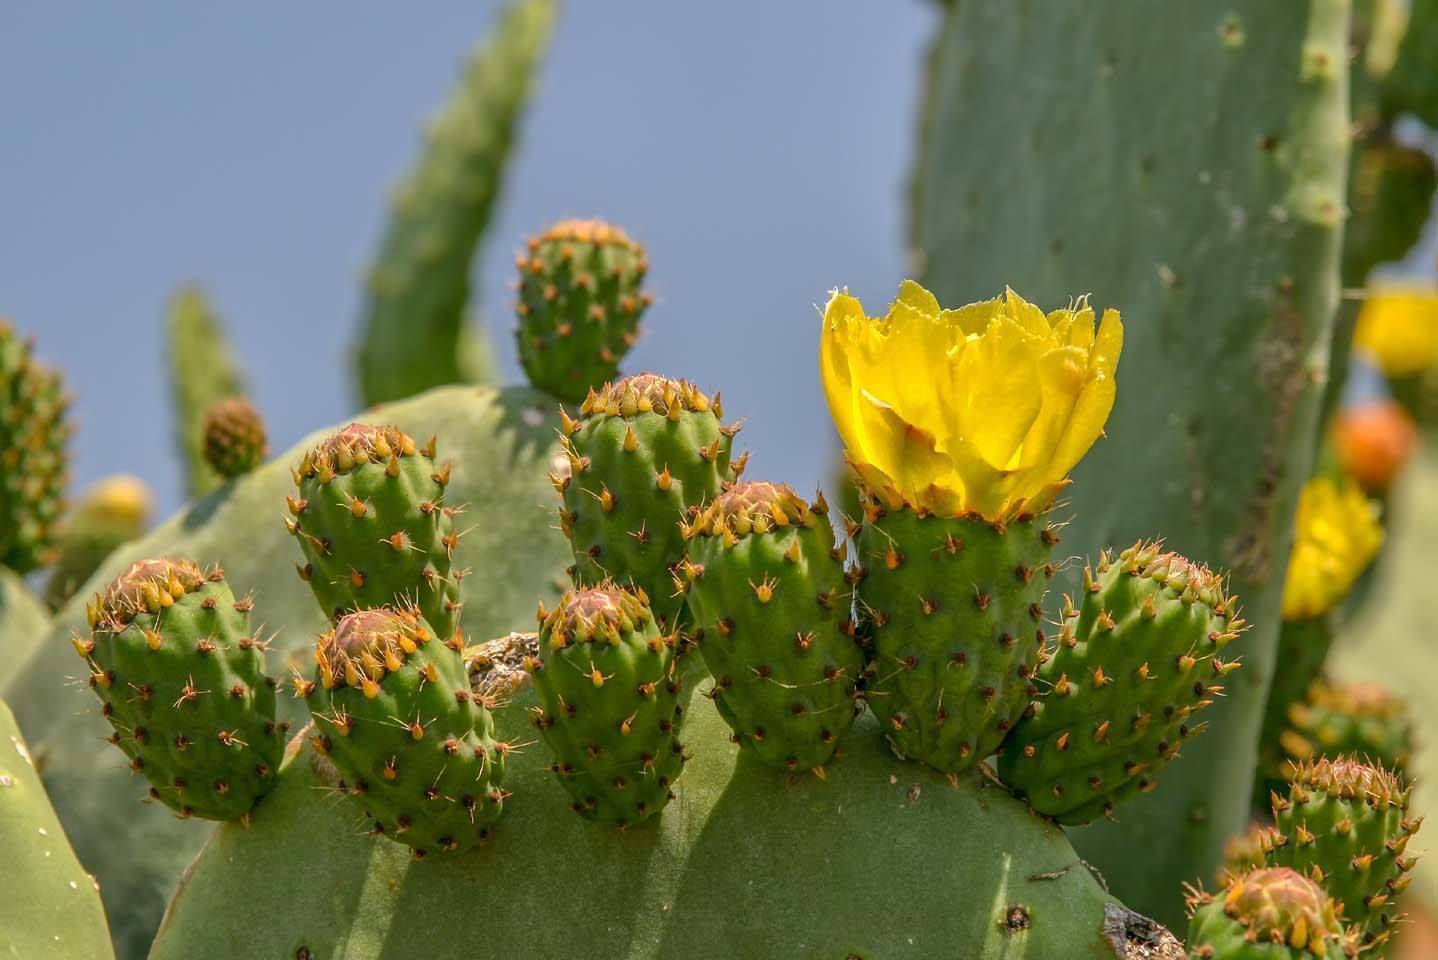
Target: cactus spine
{"x": 233, "y": 436}
{"x": 579, "y": 305}
{"x": 394, "y": 713}
{"x": 609, "y": 704}
{"x": 33, "y": 433}
{"x": 769, "y": 604}
{"x": 180, "y": 675}
{"x": 1266, "y": 914}
{"x": 645, "y": 452}
{"x": 373, "y": 524}
{"x": 1134, "y": 663}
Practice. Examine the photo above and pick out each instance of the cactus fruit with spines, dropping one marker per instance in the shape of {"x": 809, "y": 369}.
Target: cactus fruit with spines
{"x": 1269, "y": 913}
{"x": 234, "y": 437}
{"x": 1344, "y": 719}
{"x": 180, "y": 675}
{"x": 609, "y": 703}
{"x": 580, "y": 300}
{"x": 644, "y": 454}
{"x": 955, "y": 607}
{"x": 374, "y": 526}
{"x": 770, "y": 607}
{"x": 34, "y": 430}
{"x": 1346, "y": 824}
{"x": 393, "y": 711}
{"x": 1134, "y": 663}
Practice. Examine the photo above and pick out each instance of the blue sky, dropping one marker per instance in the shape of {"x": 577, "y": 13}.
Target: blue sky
{"x": 759, "y": 150}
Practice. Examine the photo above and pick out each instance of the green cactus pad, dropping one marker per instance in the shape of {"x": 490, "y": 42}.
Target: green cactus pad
{"x": 770, "y": 608}
{"x": 645, "y": 453}
{"x": 234, "y": 437}
{"x": 180, "y": 674}
{"x": 955, "y": 606}
{"x": 579, "y": 305}
{"x": 1390, "y": 195}
{"x": 374, "y": 526}
{"x": 609, "y": 693}
{"x": 1345, "y": 824}
{"x": 1303, "y": 646}
{"x": 33, "y": 434}
{"x": 57, "y": 913}
{"x": 394, "y": 713}
{"x": 744, "y": 865}
{"x": 1266, "y": 914}
{"x": 1134, "y": 662}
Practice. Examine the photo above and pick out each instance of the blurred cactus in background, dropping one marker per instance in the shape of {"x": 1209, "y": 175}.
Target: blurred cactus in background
{"x": 203, "y": 371}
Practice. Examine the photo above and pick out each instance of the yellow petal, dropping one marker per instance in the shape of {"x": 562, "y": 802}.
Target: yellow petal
{"x": 997, "y": 392}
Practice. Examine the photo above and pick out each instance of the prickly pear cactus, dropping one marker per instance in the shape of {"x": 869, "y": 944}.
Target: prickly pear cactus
{"x": 609, "y": 694}
{"x": 769, "y": 606}
{"x": 503, "y": 444}
{"x": 24, "y": 623}
{"x": 740, "y": 834}
{"x": 57, "y": 913}
{"x": 645, "y": 452}
{"x": 1133, "y": 666}
{"x": 114, "y": 511}
{"x": 1152, "y": 176}
{"x": 375, "y": 526}
{"x": 414, "y": 334}
{"x": 203, "y": 371}
{"x": 1343, "y": 719}
{"x": 1412, "y": 85}
{"x": 957, "y": 622}
{"x": 234, "y": 437}
{"x": 180, "y": 673}
{"x": 580, "y": 300}
{"x": 1345, "y": 824}
{"x": 1266, "y": 914}
{"x": 394, "y": 713}
{"x": 33, "y": 433}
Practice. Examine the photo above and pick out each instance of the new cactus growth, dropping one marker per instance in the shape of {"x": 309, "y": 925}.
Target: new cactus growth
{"x": 234, "y": 437}
{"x": 1266, "y": 914}
{"x": 1357, "y": 719}
{"x": 372, "y": 521}
{"x": 1345, "y": 824}
{"x": 769, "y": 605}
{"x": 393, "y": 711}
{"x": 180, "y": 674}
{"x": 645, "y": 452}
{"x": 33, "y": 434}
{"x": 580, "y": 300}
{"x": 609, "y": 703}
{"x": 963, "y": 425}
{"x": 1135, "y": 661}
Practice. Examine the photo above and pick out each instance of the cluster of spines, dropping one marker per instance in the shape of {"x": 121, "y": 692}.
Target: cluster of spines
{"x": 234, "y": 438}
{"x": 769, "y": 606}
{"x": 181, "y": 681}
{"x": 1132, "y": 665}
{"x": 1346, "y": 824}
{"x": 1266, "y": 914}
{"x": 415, "y": 747}
{"x": 33, "y": 467}
{"x": 609, "y": 703}
{"x": 580, "y": 300}
{"x": 644, "y": 454}
{"x": 373, "y": 525}
{"x": 951, "y": 616}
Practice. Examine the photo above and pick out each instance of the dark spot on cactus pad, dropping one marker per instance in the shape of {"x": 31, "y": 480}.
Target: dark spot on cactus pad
{"x": 1016, "y": 918}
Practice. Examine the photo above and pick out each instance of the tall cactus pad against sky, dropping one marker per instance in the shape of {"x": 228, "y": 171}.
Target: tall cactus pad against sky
{"x": 203, "y": 371}
{"x": 1199, "y": 189}
{"x": 418, "y": 288}
{"x": 746, "y": 862}
{"x": 503, "y": 444}
{"x": 57, "y": 914}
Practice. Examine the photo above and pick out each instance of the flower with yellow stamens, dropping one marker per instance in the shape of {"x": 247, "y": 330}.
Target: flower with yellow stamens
{"x": 1398, "y": 327}
{"x": 1335, "y": 537}
{"x": 984, "y": 409}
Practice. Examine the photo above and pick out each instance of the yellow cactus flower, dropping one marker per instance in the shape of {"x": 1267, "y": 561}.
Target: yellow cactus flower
{"x": 1335, "y": 537}
{"x": 122, "y": 498}
{"x": 984, "y": 409}
{"x": 1398, "y": 327}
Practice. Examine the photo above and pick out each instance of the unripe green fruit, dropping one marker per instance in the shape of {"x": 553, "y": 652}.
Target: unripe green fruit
{"x": 1266, "y": 914}
{"x": 180, "y": 673}
{"x": 234, "y": 437}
